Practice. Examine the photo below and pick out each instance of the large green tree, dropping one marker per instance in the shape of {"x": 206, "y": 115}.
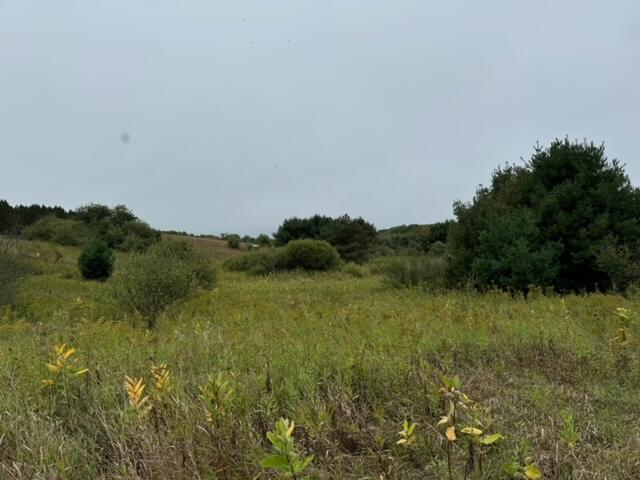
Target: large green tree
{"x": 575, "y": 198}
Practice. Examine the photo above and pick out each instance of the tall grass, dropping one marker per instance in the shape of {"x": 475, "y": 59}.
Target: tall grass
{"x": 348, "y": 358}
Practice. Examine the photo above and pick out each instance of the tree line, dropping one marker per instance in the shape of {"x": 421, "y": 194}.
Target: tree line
{"x": 566, "y": 219}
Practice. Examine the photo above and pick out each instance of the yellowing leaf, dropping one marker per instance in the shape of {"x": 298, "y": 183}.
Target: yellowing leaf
{"x": 291, "y": 428}
{"x": 401, "y": 441}
{"x": 53, "y": 368}
{"x": 532, "y": 472}
{"x": 69, "y": 352}
{"x": 451, "y": 433}
{"x": 82, "y": 371}
{"x": 471, "y": 431}
{"x": 489, "y": 439}
{"x": 443, "y": 420}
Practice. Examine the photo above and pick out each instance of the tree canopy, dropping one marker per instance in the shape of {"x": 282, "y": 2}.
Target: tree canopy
{"x": 546, "y": 222}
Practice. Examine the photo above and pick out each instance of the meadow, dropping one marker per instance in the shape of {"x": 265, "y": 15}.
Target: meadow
{"x": 348, "y": 359}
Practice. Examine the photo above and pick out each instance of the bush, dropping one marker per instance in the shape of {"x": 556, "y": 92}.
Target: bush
{"x": 415, "y": 271}
{"x": 259, "y": 262}
{"x": 621, "y": 263}
{"x": 57, "y": 230}
{"x": 299, "y": 254}
{"x": 264, "y": 240}
{"x": 198, "y": 263}
{"x": 118, "y": 227}
{"x": 233, "y": 241}
{"x": 13, "y": 266}
{"x": 353, "y": 270}
{"x": 96, "y": 261}
{"x": 309, "y": 255}
{"x": 148, "y": 284}
{"x": 353, "y": 238}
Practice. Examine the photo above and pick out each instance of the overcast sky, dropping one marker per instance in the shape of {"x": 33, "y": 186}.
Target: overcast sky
{"x": 228, "y": 116}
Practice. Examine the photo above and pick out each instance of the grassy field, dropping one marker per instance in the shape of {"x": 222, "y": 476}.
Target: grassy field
{"x": 349, "y": 359}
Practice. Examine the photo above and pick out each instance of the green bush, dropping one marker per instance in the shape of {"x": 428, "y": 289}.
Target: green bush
{"x": 353, "y": 238}
{"x": 621, "y": 263}
{"x": 233, "y": 241}
{"x": 198, "y": 263}
{"x": 259, "y": 262}
{"x": 57, "y": 230}
{"x": 96, "y": 261}
{"x": 147, "y": 284}
{"x": 353, "y": 270}
{"x": 413, "y": 271}
{"x": 309, "y": 255}
{"x": 118, "y": 227}
{"x": 299, "y": 254}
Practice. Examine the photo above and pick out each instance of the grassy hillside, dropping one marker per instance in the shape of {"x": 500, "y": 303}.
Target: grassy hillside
{"x": 217, "y": 250}
{"x": 348, "y": 359}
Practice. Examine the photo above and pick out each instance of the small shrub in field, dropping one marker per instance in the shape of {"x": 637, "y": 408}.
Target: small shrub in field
{"x": 428, "y": 272}
{"x": 202, "y": 268}
{"x": 233, "y": 241}
{"x": 264, "y": 240}
{"x": 353, "y": 270}
{"x": 149, "y": 283}
{"x": 96, "y": 261}
{"x": 309, "y": 255}
{"x": 261, "y": 262}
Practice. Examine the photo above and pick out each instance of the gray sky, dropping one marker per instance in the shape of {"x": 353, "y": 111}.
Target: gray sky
{"x": 241, "y": 113}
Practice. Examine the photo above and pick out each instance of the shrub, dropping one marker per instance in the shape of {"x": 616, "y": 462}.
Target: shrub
{"x": 260, "y": 262}
{"x": 299, "y": 254}
{"x": 233, "y": 241}
{"x": 621, "y": 263}
{"x": 96, "y": 261}
{"x": 353, "y": 238}
{"x": 198, "y": 263}
{"x": 57, "y": 230}
{"x": 264, "y": 240}
{"x": 353, "y": 270}
{"x": 118, "y": 227}
{"x": 415, "y": 271}
{"x": 309, "y": 255}
{"x": 148, "y": 284}
{"x": 13, "y": 266}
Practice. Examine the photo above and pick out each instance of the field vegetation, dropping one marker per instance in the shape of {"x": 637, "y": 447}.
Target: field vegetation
{"x": 347, "y": 359}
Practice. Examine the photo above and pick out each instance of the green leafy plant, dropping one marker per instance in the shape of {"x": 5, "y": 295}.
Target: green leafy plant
{"x": 622, "y": 341}
{"x": 286, "y": 460}
{"x": 217, "y": 395}
{"x": 466, "y": 422}
{"x": 568, "y": 433}
{"x": 407, "y": 434}
{"x": 523, "y": 467}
